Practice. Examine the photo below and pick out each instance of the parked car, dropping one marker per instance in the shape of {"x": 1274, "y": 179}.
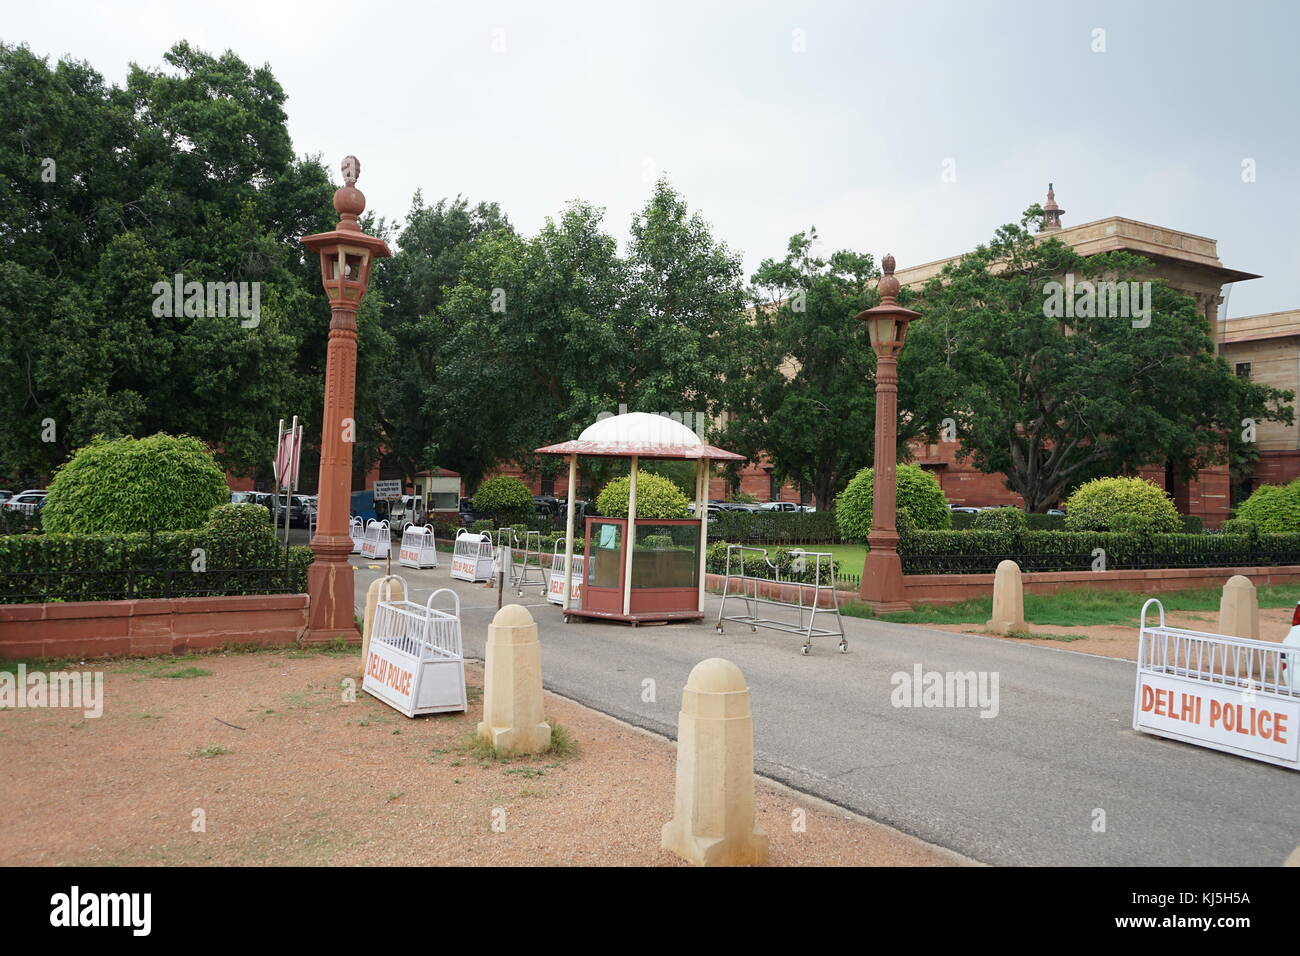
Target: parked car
{"x": 1055, "y": 511}
{"x": 5, "y": 496}
{"x": 29, "y": 501}
{"x": 964, "y": 509}
{"x": 789, "y": 507}
{"x": 468, "y": 515}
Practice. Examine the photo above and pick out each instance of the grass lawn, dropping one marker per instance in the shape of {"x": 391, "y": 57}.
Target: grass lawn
{"x": 849, "y": 558}
{"x": 1077, "y": 608}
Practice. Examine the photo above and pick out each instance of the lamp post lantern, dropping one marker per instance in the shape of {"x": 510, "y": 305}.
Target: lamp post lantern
{"x": 346, "y": 254}
{"x": 882, "y": 575}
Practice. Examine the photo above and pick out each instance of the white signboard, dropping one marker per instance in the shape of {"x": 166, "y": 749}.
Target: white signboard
{"x": 388, "y": 489}
{"x": 1236, "y": 720}
{"x": 390, "y": 676}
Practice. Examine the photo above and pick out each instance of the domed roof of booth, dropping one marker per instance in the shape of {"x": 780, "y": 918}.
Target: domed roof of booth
{"x": 641, "y": 434}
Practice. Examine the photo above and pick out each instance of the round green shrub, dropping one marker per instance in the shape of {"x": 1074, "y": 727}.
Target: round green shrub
{"x": 239, "y": 520}
{"x": 1006, "y": 520}
{"x": 656, "y": 497}
{"x": 505, "y": 498}
{"x": 161, "y": 483}
{"x": 1097, "y": 505}
{"x": 918, "y": 491}
{"x": 1275, "y": 509}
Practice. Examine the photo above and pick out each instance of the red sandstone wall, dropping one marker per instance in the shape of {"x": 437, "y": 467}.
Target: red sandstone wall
{"x": 150, "y": 627}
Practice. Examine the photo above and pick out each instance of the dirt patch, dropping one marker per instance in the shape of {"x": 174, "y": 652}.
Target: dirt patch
{"x": 286, "y": 772}
{"x": 1121, "y": 640}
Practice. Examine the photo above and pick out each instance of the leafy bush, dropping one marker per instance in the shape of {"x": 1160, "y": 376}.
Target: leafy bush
{"x": 775, "y": 527}
{"x": 239, "y": 520}
{"x": 483, "y": 524}
{"x": 1275, "y": 509}
{"x": 1192, "y": 524}
{"x": 163, "y": 482}
{"x": 1240, "y": 526}
{"x": 1005, "y": 520}
{"x": 1098, "y": 504}
{"x": 656, "y": 497}
{"x": 742, "y": 498}
{"x": 918, "y": 491}
{"x": 505, "y": 498}
{"x": 19, "y": 522}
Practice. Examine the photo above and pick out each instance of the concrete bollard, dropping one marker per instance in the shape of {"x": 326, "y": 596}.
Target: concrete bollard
{"x": 368, "y": 621}
{"x": 513, "y": 721}
{"x": 713, "y": 812}
{"x": 1008, "y": 600}
{"x": 1239, "y": 608}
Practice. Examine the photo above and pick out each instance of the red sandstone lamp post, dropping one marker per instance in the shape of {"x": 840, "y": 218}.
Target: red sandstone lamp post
{"x": 345, "y": 257}
{"x": 882, "y": 576}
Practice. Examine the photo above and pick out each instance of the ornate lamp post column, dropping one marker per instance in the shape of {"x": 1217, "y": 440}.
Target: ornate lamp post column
{"x": 345, "y": 257}
{"x": 882, "y": 576}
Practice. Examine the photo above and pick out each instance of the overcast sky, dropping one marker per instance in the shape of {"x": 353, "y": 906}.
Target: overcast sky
{"x": 772, "y": 117}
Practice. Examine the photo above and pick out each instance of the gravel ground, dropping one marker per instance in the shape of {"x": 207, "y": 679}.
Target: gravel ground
{"x": 1117, "y": 640}
{"x": 311, "y": 779}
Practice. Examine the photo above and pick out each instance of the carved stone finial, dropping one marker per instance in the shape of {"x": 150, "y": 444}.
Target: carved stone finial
{"x": 351, "y": 170}
{"x": 349, "y": 201}
{"x": 888, "y": 286}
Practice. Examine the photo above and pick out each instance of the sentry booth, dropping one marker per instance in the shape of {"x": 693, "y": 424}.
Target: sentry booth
{"x": 639, "y": 570}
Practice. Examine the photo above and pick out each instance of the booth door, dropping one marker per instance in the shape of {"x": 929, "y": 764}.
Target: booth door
{"x": 603, "y": 590}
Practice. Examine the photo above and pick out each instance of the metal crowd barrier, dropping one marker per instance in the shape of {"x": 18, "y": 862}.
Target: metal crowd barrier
{"x": 416, "y": 661}
{"x": 800, "y": 616}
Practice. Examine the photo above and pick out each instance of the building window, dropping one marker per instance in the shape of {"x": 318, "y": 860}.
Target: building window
{"x": 1243, "y": 370}
{"x": 773, "y": 488}
{"x": 548, "y": 487}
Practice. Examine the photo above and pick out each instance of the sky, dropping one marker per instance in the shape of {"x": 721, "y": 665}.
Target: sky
{"x": 907, "y": 127}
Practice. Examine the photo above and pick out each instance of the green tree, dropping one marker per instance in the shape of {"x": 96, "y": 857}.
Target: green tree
{"x": 805, "y": 398}
{"x": 187, "y": 169}
{"x": 1051, "y": 401}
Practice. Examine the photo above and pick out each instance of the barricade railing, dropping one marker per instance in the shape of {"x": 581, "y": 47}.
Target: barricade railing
{"x": 1228, "y": 693}
{"x": 759, "y": 594}
{"x": 419, "y": 548}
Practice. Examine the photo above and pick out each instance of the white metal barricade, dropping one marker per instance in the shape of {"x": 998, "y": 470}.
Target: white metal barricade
{"x": 418, "y": 548}
{"x": 739, "y": 586}
{"x": 377, "y": 541}
{"x": 357, "y": 532}
{"x": 1225, "y": 693}
{"x": 471, "y": 558}
{"x": 527, "y": 570}
{"x": 555, "y": 587}
{"x": 416, "y": 663}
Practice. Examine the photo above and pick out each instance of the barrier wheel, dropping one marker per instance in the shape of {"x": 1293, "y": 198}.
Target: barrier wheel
{"x": 718, "y": 629}
{"x": 844, "y": 647}
{"x": 805, "y": 649}
{"x": 566, "y": 619}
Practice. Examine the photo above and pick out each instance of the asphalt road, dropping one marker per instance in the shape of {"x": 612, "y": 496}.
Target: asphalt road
{"x": 1025, "y": 787}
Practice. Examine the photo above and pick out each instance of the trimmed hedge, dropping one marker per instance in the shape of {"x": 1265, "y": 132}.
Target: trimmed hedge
{"x": 755, "y": 566}
{"x": 973, "y": 552}
{"x": 66, "y": 567}
{"x": 1006, "y": 520}
{"x": 775, "y": 527}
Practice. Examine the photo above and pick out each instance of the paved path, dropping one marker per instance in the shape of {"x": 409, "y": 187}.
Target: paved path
{"x": 1018, "y": 788}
